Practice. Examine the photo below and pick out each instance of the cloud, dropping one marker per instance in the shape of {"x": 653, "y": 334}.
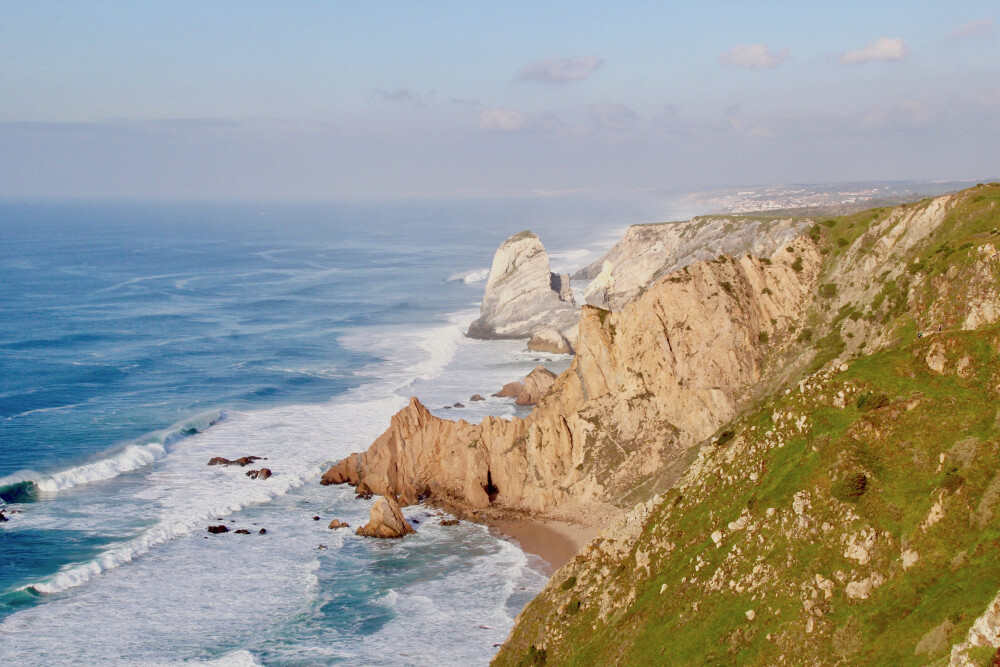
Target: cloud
{"x": 753, "y": 56}
{"x": 504, "y": 120}
{"x": 560, "y": 70}
{"x": 612, "y": 115}
{"x": 882, "y": 48}
{"x": 980, "y": 28}
{"x": 400, "y": 95}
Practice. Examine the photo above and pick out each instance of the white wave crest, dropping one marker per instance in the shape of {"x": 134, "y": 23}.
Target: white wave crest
{"x": 148, "y": 449}
{"x": 469, "y": 277}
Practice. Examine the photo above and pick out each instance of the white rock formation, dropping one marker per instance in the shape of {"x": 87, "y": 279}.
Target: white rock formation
{"x": 523, "y": 298}
{"x": 647, "y": 252}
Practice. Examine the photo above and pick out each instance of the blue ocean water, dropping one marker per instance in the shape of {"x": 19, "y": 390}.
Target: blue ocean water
{"x": 137, "y": 340}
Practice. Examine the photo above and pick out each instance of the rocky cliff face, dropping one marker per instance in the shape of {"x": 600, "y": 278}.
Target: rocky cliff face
{"x": 852, "y": 515}
{"x": 647, "y": 252}
{"x": 523, "y": 297}
{"x": 647, "y": 383}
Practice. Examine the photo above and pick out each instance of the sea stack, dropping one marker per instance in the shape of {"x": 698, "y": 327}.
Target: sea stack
{"x": 385, "y": 520}
{"x": 524, "y": 298}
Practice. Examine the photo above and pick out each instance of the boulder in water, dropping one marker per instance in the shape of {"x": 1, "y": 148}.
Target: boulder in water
{"x": 385, "y": 520}
{"x": 221, "y": 528}
{"x": 242, "y": 461}
{"x": 337, "y": 523}
{"x": 263, "y": 473}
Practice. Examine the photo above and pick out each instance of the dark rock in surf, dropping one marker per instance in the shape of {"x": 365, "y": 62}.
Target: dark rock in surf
{"x": 221, "y": 528}
{"x": 263, "y": 473}
{"x": 242, "y": 461}
{"x": 242, "y": 531}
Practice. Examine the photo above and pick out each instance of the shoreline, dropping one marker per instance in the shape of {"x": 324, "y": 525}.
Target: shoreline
{"x": 555, "y": 542}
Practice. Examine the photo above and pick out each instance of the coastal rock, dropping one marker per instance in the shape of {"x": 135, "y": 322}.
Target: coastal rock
{"x": 262, "y": 531}
{"x": 242, "y": 461}
{"x": 549, "y": 340}
{"x": 646, "y": 384}
{"x": 385, "y": 520}
{"x": 476, "y": 398}
{"x": 263, "y": 473}
{"x": 523, "y": 296}
{"x": 241, "y": 531}
{"x": 3, "y": 517}
{"x": 648, "y": 252}
{"x": 337, "y": 523}
{"x": 536, "y": 385}
{"x": 221, "y": 528}
{"x": 510, "y": 390}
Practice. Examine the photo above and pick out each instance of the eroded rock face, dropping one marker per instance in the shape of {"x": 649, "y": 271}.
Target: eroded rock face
{"x": 536, "y": 384}
{"x": 647, "y": 382}
{"x": 647, "y": 252}
{"x": 549, "y": 340}
{"x": 523, "y": 296}
{"x": 385, "y": 520}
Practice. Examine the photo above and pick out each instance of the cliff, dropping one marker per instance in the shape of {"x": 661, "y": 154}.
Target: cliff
{"x": 523, "y": 297}
{"x": 647, "y": 252}
{"x": 647, "y": 383}
{"x": 850, "y": 515}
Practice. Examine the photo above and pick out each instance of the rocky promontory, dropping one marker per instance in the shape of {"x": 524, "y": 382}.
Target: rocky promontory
{"x": 646, "y": 384}
{"x": 648, "y": 252}
{"x": 524, "y": 298}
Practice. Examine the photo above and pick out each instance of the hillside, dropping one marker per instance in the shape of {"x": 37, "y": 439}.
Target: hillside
{"x": 847, "y": 515}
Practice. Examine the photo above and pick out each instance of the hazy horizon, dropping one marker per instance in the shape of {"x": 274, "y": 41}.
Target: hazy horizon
{"x": 340, "y": 101}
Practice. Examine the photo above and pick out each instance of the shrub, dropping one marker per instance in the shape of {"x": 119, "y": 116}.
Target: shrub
{"x": 797, "y": 264}
{"x": 763, "y": 337}
{"x": 868, "y": 402}
{"x": 828, "y": 290}
{"x": 568, "y": 584}
{"x": 727, "y": 286}
{"x": 725, "y": 437}
{"x": 850, "y": 487}
{"x": 841, "y": 242}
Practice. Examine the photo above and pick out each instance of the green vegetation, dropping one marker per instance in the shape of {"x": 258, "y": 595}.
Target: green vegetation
{"x": 893, "y": 459}
{"x": 872, "y": 465}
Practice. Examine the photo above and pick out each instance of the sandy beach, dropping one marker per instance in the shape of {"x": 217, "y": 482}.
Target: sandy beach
{"x": 555, "y": 542}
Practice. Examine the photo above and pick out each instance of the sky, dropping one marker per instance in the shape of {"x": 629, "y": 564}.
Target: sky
{"x": 359, "y": 100}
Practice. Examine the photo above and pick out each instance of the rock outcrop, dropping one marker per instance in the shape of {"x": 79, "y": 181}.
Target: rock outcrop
{"x": 523, "y": 297}
{"x": 647, "y": 252}
{"x": 263, "y": 473}
{"x": 242, "y": 461}
{"x": 646, "y": 383}
{"x": 386, "y": 520}
{"x": 536, "y": 384}
{"x": 337, "y": 523}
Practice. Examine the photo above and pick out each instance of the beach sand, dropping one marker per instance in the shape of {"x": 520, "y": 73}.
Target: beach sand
{"x": 555, "y": 542}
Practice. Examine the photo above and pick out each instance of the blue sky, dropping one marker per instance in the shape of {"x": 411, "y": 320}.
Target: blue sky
{"x": 349, "y": 99}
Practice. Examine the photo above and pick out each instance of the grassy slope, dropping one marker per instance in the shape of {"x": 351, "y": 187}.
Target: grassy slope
{"x": 613, "y": 612}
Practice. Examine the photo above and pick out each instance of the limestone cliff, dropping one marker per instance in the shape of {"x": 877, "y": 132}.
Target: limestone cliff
{"x": 523, "y": 297}
{"x": 647, "y": 252}
{"x": 647, "y": 383}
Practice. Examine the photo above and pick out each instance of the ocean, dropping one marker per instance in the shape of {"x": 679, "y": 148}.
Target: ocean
{"x": 140, "y": 339}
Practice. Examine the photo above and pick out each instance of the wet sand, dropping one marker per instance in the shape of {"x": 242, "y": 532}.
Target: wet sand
{"x": 555, "y": 542}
